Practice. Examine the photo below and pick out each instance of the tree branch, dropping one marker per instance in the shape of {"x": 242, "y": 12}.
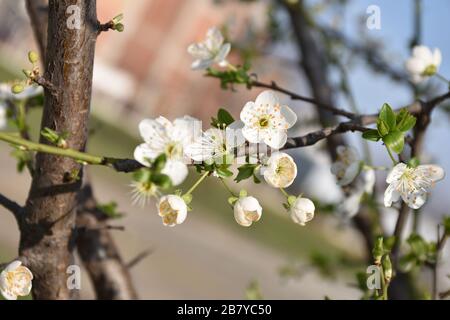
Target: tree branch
{"x": 12, "y": 206}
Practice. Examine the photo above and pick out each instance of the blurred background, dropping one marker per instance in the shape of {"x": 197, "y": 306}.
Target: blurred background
{"x": 145, "y": 72}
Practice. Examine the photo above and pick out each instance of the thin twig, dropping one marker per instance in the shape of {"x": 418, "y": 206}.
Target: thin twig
{"x": 141, "y": 256}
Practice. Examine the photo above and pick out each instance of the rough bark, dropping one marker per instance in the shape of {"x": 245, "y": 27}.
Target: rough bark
{"x": 314, "y": 65}
{"x": 99, "y": 254}
{"x": 47, "y": 227}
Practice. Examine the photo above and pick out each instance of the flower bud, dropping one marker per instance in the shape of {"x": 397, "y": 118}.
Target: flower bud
{"x": 33, "y": 57}
{"x": 17, "y": 88}
{"x": 378, "y": 251}
{"x": 387, "y": 268}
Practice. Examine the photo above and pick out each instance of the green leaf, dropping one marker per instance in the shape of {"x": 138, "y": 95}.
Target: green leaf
{"x": 371, "y": 135}
{"x": 395, "y": 141}
{"x": 382, "y": 127}
{"x": 405, "y": 120}
{"x": 245, "y": 171}
{"x": 159, "y": 163}
{"x": 142, "y": 175}
{"x": 224, "y": 172}
{"x": 224, "y": 117}
{"x": 413, "y": 162}
{"x": 110, "y": 210}
{"x": 387, "y": 115}
{"x": 161, "y": 180}
{"x": 447, "y": 225}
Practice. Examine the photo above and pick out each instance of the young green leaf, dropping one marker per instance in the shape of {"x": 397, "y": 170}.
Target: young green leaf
{"x": 387, "y": 115}
{"x": 245, "y": 172}
{"x": 395, "y": 141}
{"x": 224, "y": 117}
{"x": 382, "y": 127}
{"x": 371, "y": 135}
{"x": 405, "y": 121}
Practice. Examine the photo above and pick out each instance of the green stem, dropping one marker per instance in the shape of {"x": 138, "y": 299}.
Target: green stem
{"x": 284, "y": 193}
{"x": 391, "y": 156}
{"x": 38, "y": 147}
{"x": 196, "y": 184}
{"x": 231, "y": 67}
{"x": 227, "y": 187}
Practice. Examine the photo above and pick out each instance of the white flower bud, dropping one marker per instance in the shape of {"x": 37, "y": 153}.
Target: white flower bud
{"x": 172, "y": 209}
{"x": 247, "y": 210}
{"x": 302, "y": 211}
{"x": 15, "y": 281}
{"x": 280, "y": 171}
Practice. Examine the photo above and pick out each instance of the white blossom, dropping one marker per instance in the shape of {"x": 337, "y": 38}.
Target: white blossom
{"x": 247, "y": 210}
{"x": 347, "y": 166}
{"x": 280, "y": 170}
{"x": 364, "y": 184}
{"x": 162, "y": 136}
{"x": 411, "y": 184}
{"x": 265, "y": 120}
{"x": 423, "y": 63}
{"x": 302, "y": 211}
{"x": 213, "y": 146}
{"x": 211, "y": 51}
{"x": 172, "y": 209}
{"x": 15, "y": 281}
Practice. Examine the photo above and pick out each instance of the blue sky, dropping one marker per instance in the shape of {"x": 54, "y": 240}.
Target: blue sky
{"x": 372, "y": 90}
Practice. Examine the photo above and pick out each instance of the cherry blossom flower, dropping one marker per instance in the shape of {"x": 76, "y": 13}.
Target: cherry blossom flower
{"x": 213, "y": 146}
{"x": 172, "y": 209}
{"x": 280, "y": 170}
{"x": 265, "y": 120}
{"x": 211, "y": 51}
{"x": 423, "y": 63}
{"x": 302, "y": 211}
{"x": 411, "y": 184}
{"x": 162, "y": 136}
{"x": 364, "y": 184}
{"x": 347, "y": 166}
{"x": 15, "y": 281}
{"x": 247, "y": 210}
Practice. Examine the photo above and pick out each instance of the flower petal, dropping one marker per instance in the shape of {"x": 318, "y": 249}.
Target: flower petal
{"x": 396, "y": 172}
{"x": 153, "y": 132}
{"x": 289, "y": 116}
{"x": 275, "y": 138}
{"x": 390, "y": 195}
{"x": 267, "y": 97}
{"x": 437, "y": 57}
{"x": 144, "y": 154}
{"x": 415, "y": 200}
{"x": 253, "y": 135}
{"x": 350, "y": 174}
{"x": 176, "y": 170}
{"x": 434, "y": 172}
{"x": 222, "y": 54}
{"x": 249, "y": 114}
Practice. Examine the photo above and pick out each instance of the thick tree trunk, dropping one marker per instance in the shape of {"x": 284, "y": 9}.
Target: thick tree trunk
{"x": 47, "y": 228}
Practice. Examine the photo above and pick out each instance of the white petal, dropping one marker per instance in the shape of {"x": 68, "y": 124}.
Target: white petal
{"x": 201, "y": 64}
{"x": 434, "y": 172}
{"x": 186, "y": 130}
{"x": 152, "y": 131}
{"x": 13, "y": 266}
{"x": 176, "y": 170}
{"x": 267, "y": 97}
{"x": 223, "y": 53}
{"x": 437, "y": 57}
{"x": 253, "y": 135}
{"x": 239, "y": 216}
{"x": 350, "y": 206}
{"x": 424, "y": 53}
{"x": 390, "y": 195}
{"x": 415, "y": 200}
{"x": 369, "y": 180}
{"x": 214, "y": 39}
{"x": 289, "y": 115}
{"x": 144, "y": 154}
{"x": 199, "y": 51}
{"x": 396, "y": 172}
{"x": 249, "y": 114}
{"x": 350, "y": 174}
{"x": 275, "y": 138}
{"x": 415, "y": 66}
{"x": 8, "y": 295}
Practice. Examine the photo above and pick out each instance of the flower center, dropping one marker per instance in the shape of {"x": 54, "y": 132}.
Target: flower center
{"x": 252, "y": 215}
{"x": 430, "y": 70}
{"x": 168, "y": 214}
{"x": 263, "y": 122}
{"x": 174, "y": 150}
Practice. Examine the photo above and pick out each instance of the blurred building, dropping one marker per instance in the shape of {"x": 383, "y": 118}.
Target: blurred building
{"x": 145, "y": 71}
